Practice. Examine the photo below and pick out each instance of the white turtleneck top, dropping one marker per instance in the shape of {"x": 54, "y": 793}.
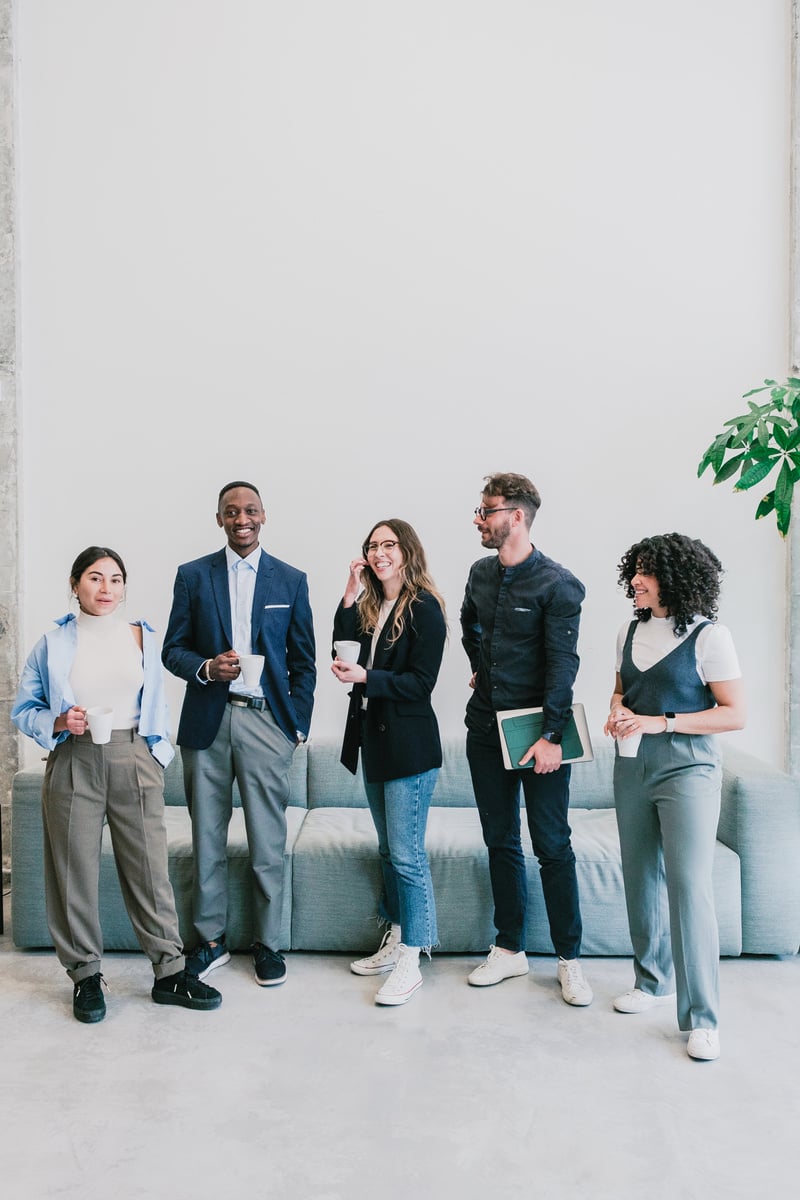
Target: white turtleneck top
{"x": 108, "y": 669}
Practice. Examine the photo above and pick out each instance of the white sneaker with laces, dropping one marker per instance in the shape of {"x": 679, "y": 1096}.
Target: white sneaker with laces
{"x": 703, "y": 1044}
{"x": 499, "y": 965}
{"x": 574, "y": 987}
{"x": 385, "y": 957}
{"x": 636, "y": 1001}
{"x": 404, "y": 980}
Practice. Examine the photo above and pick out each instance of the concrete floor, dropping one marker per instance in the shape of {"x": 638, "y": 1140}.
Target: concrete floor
{"x": 310, "y": 1091}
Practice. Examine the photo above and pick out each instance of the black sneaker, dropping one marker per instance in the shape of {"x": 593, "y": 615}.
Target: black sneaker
{"x": 185, "y": 989}
{"x": 88, "y": 1001}
{"x": 270, "y": 966}
{"x": 205, "y": 958}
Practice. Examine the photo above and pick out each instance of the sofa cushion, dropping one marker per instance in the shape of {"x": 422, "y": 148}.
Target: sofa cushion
{"x": 336, "y": 879}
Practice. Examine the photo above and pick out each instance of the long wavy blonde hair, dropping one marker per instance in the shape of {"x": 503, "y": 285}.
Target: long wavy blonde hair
{"x": 415, "y": 578}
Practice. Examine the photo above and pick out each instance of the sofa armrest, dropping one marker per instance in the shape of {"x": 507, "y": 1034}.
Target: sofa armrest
{"x": 760, "y": 820}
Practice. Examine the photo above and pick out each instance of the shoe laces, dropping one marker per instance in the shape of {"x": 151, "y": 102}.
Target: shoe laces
{"x": 92, "y": 985}
{"x": 573, "y": 971}
{"x": 406, "y": 963}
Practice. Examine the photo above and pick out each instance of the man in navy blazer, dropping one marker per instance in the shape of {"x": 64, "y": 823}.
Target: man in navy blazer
{"x": 240, "y": 601}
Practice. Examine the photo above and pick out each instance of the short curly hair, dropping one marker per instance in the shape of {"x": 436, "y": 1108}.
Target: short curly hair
{"x": 688, "y": 575}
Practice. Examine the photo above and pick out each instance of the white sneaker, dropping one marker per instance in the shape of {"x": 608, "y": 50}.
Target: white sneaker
{"x": 636, "y": 1001}
{"x": 574, "y": 987}
{"x": 404, "y": 980}
{"x": 498, "y": 966}
{"x": 385, "y": 957}
{"x": 703, "y": 1044}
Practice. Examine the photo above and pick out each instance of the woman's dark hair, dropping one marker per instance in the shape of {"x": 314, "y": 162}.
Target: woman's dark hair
{"x": 88, "y": 557}
{"x": 688, "y": 575}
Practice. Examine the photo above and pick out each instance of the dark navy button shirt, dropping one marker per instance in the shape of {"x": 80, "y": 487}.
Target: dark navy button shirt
{"x": 520, "y": 631}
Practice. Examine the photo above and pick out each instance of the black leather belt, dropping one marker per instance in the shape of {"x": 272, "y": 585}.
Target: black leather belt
{"x": 258, "y": 702}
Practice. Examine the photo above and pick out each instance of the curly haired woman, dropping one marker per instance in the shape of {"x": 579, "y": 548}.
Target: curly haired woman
{"x": 392, "y": 608}
{"x": 678, "y": 683}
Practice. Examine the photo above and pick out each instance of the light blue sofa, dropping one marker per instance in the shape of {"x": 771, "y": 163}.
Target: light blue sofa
{"x": 333, "y": 874}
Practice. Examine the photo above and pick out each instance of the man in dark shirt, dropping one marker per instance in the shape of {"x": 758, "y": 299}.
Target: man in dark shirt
{"x": 519, "y": 622}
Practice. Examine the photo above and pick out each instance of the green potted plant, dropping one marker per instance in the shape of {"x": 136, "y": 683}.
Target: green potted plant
{"x": 764, "y": 439}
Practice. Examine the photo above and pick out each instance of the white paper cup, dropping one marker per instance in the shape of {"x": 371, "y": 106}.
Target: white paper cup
{"x": 100, "y": 722}
{"x": 629, "y": 747}
{"x": 251, "y": 666}
{"x": 347, "y": 651}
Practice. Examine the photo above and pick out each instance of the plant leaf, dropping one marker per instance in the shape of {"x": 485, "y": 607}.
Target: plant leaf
{"x": 765, "y": 506}
{"x": 784, "y": 487}
{"x": 756, "y": 473}
{"x": 780, "y": 435}
{"x": 730, "y": 468}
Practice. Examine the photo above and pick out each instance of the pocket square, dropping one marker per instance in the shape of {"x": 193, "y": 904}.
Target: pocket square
{"x": 277, "y": 606}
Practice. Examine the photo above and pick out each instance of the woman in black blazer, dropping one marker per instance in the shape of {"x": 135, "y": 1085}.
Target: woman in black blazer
{"x": 392, "y": 609}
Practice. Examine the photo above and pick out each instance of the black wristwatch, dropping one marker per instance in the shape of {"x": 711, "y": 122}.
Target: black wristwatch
{"x": 552, "y": 737}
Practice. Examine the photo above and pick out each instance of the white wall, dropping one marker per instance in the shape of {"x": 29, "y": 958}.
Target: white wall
{"x": 365, "y": 253}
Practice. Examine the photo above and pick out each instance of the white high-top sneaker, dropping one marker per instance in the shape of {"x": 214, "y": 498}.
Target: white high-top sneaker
{"x": 404, "y": 980}
{"x": 385, "y": 957}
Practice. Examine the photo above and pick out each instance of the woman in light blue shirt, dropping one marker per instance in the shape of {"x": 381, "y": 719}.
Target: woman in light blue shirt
{"x": 98, "y": 660}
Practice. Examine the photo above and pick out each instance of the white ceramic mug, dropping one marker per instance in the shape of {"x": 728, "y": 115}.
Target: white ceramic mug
{"x": 100, "y": 722}
{"x": 251, "y": 666}
{"x": 347, "y": 651}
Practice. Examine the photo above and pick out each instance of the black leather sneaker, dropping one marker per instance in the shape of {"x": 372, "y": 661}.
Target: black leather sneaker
{"x": 270, "y": 966}
{"x": 185, "y": 989}
{"x": 88, "y": 1001}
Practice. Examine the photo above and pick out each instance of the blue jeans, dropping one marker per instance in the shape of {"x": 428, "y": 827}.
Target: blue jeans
{"x": 399, "y": 809}
{"x": 547, "y": 803}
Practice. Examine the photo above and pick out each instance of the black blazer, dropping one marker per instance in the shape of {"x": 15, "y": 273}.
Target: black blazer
{"x": 399, "y": 735}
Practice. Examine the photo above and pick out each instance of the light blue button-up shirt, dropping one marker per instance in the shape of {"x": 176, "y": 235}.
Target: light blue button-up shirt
{"x": 45, "y": 691}
{"x": 242, "y": 574}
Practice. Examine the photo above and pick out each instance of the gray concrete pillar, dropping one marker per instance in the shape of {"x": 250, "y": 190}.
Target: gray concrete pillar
{"x": 9, "y": 524}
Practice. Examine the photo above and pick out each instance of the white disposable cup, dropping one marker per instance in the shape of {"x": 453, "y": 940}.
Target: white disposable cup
{"x": 629, "y": 747}
{"x": 251, "y": 666}
{"x": 100, "y": 722}
{"x": 347, "y": 651}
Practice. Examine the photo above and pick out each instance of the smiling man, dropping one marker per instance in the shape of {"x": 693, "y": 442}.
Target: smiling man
{"x": 237, "y": 601}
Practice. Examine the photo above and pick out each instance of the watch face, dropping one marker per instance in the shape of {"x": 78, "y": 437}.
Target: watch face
{"x": 553, "y": 738}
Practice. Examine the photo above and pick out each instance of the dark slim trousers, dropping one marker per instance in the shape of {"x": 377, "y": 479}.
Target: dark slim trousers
{"x": 547, "y": 804}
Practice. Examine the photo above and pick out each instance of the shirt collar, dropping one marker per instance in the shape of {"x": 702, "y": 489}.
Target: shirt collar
{"x": 233, "y": 559}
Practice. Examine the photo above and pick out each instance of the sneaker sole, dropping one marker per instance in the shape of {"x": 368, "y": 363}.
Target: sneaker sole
{"x": 88, "y": 1018}
{"x": 401, "y": 999}
{"x": 269, "y": 982}
{"x": 186, "y": 1002}
{"x": 493, "y": 982}
{"x": 218, "y": 962}
{"x": 357, "y": 970}
{"x": 575, "y": 1002}
{"x": 655, "y": 1002}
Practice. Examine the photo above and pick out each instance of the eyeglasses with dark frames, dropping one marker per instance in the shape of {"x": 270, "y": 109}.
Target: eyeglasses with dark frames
{"x": 484, "y": 512}
{"x": 374, "y": 547}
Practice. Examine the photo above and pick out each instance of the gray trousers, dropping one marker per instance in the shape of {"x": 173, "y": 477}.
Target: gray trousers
{"x": 667, "y": 801}
{"x": 251, "y": 748}
{"x": 84, "y": 786}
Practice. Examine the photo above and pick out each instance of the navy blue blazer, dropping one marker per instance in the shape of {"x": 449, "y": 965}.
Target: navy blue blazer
{"x": 200, "y": 628}
{"x": 399, "y": 735}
